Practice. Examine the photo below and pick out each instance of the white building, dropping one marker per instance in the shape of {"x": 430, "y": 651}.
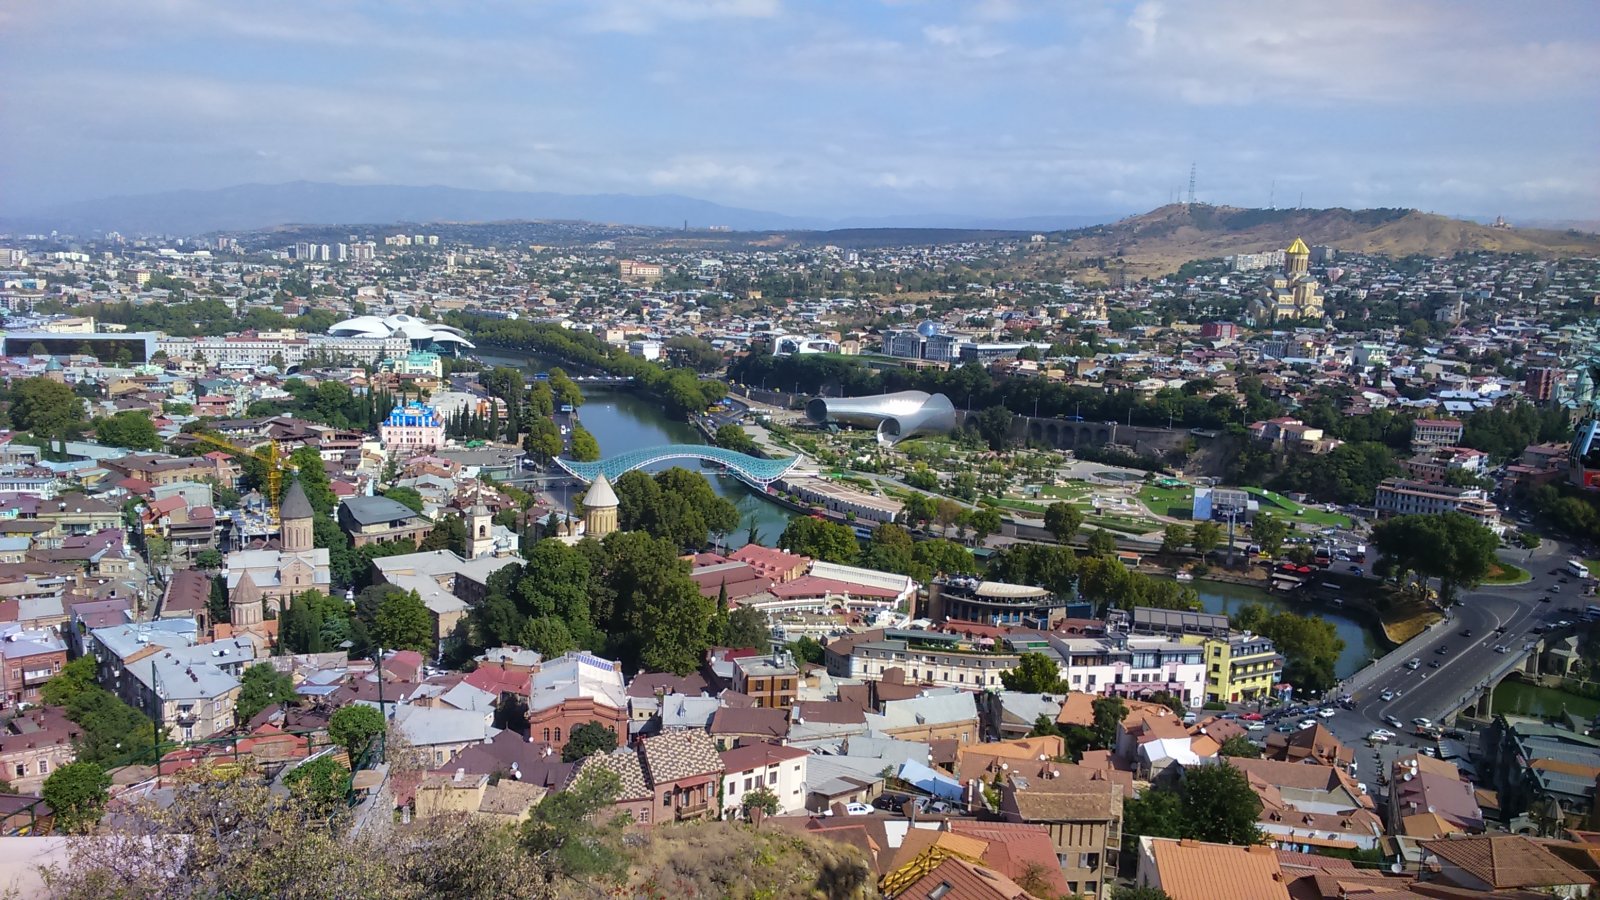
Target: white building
{"x": 1133, "y": 666}
{"x": 781, "y": 770}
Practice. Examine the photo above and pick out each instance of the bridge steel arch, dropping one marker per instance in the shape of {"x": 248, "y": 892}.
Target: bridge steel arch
{"x": 751, "y": 468}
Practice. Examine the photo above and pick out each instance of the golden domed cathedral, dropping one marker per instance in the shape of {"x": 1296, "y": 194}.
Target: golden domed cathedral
{"x": 1292, "y": 293}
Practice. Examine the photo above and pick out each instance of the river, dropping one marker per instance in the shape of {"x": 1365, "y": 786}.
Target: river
{"x": 1359, "y": 644}
{"x": 628, "y": 420}
{"x": 622, "y": 420}
{"x": 1515, "y": 697}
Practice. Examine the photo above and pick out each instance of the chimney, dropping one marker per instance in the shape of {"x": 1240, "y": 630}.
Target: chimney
{"x": 460, "y": 774}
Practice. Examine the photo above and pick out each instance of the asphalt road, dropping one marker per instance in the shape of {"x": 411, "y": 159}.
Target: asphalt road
{"x": 1464, "y": 662}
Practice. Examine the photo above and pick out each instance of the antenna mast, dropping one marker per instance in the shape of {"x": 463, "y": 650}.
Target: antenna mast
{"x": 1272, "y": 195}
{"x": 1191, "y": 184}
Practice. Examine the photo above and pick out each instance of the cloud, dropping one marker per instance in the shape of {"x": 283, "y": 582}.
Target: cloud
{"x": 996, "y": 107}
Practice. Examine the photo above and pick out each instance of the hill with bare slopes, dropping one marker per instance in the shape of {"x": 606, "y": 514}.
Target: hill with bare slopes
{"x": 1159, "y": 241}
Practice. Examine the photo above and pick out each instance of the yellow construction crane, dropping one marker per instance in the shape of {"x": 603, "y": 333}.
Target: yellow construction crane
{"x": 275, "y": 462}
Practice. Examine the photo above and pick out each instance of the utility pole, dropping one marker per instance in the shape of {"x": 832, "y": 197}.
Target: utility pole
{"x": 155, "y": 734}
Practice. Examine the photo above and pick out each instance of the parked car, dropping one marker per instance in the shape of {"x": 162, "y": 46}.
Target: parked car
{"x": 1252, "y": 717}
{"x": 1422, "y": 722}
{"x": 1307, "y": 723}
{"x": 1394, "y": 721}
{"x": 857, "y": 809}
{"x": 1378, "y": 737}
{"x": 1327, "y": 713}
{"x": 1256, "y": 726}
{"x": 1285, "y": 728}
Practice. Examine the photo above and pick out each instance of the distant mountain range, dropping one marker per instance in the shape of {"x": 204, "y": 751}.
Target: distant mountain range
{"x": 256, "y": 206}
{"x": 1159, "y": 241}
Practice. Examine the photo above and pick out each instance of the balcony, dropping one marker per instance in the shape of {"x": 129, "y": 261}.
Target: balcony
{"x": 692, "y": 809}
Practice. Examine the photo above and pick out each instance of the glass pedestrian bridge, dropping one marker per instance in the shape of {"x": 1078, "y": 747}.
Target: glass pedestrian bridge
{"x": 753, "y": 469}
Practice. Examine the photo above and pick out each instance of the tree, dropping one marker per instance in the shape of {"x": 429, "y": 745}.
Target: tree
{"x": 1241, "y": 746}
{"x": 733, "y": 437}
{"x": 983, "y": 521}
{"x": 1063, "y": 520}
{"x": 353, "y": 727}
{"x": 240, "y": 837}
{"x": 748, "y": 627}
{"x": 260, "y": 687}
{"x": 575, "y": 829}
{"x": 323, "y": 783}
{"x": 808, "y": 649}
{"x": 1219, "y": 806}
{"x": 943, "y": 557}
{"x": 49, "y": 409}
{"x": 1036, "y": 673}
{"x": 588, "y": 739}
{"x": 1101, "y": 543}
{"x": 76, "y": 677}
{"x": 1175, "y": 538}
{"x": 449, "y": 533}
{"x": 1044, "y": 726}
{"x": 819, "y": 539}
{"x": 404, "y": 623}
{"x": 1205, "y": 537}
{"x": 407, "y": 497}
{"x": 549, "y": 636}
{"x": 1451, "y": 547}
{"x": 77, "y": 793}
{"x": 1153, "y": 813}
{"x": 584, "y": 446}
{"x": 1268, "y": 531}
{"x": 759, "y": 802}
{"x": 1108, "y": 715}
{"x": 209, "y": 560}
{"x": 131, "y": 429}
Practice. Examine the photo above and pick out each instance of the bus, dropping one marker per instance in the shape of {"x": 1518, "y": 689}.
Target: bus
{"x": 1577, "y": 568}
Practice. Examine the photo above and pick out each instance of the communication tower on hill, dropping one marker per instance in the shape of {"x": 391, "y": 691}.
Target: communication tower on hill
{"x": 1191, "y": 184}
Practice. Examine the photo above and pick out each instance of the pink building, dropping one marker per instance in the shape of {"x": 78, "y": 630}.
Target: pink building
{"x": 413, "y": 428}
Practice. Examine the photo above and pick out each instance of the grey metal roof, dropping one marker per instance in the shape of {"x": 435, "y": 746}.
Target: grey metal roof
{"x": 375, "y": 510}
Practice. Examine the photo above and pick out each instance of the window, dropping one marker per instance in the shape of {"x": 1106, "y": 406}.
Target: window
{"x": 44, "y": 767}
{"x": 558, "y": 735}
{"x": 547, "y": 735}
{"x": 772, "y": 778}
{"x": 22, "y": 770}
{"x": 749, "y": 783}
{"x": 666, "y": 800}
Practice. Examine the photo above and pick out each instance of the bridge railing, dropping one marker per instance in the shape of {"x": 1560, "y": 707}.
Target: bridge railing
{"x": 1391, "y": 659}
{"x": 1511, "y": 663}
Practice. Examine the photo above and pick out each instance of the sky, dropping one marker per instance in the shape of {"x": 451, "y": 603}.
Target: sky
{"x": 817, "y": 108}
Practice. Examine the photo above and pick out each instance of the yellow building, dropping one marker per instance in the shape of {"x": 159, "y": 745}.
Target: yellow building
{"x": 1292, "y": 293}
{"x": 1244, "y": 667}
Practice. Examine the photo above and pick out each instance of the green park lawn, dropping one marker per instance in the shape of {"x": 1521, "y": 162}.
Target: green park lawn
{"x": 1506, "y": 573}
{"x": 1176, "y": 502}
{"x": 1293, "y": 510}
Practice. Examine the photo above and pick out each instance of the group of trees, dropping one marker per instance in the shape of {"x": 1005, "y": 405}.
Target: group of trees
{"x": 1203, "y": 537}
{"x": 674, "y": 504}
{"x": 47, "y": 409}
{"x": 1212, "y": 803}
{"x": 113, "y": 733}
{"x": 1451, "y": 547}
{"x": 1097, "y": 576}
{"x": 680, "y": 389}
{"x": 628, "y": 596}
{"x": 1310, "y": 646}
{"x": 382, "y": 616}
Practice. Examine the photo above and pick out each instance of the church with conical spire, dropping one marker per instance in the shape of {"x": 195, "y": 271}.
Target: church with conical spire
{"x": 267, "y": 579}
